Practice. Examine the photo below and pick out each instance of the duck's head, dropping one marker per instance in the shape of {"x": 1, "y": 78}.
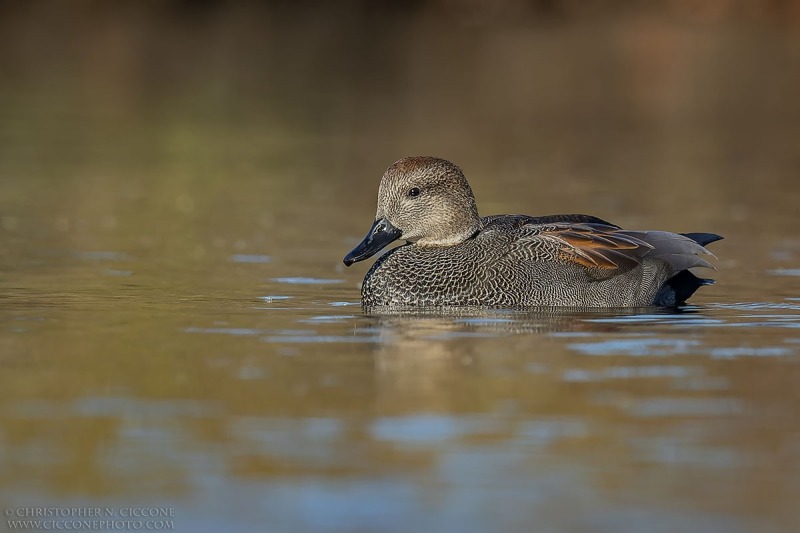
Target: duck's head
{"x": 423, "y": 200}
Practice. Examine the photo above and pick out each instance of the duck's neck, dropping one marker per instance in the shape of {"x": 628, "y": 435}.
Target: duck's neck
{"x": 451, "y": 238}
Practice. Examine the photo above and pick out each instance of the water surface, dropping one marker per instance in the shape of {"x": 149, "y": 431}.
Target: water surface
{"x": 177, "y": 329}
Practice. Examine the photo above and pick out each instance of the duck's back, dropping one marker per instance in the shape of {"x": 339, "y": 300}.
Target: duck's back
{"x": 521, "y": 261}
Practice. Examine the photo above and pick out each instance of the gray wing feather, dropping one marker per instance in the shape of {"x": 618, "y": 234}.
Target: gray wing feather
{"x": 679, "y": 251}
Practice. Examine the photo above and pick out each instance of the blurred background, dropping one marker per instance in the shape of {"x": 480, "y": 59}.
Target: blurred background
{"x": 644, "y": 111}
{"x": 179, "y": 181}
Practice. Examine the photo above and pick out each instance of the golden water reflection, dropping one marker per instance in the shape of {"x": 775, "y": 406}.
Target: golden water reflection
{"x": 667, "y": 413}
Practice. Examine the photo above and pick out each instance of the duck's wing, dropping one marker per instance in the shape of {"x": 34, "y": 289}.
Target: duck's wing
{"x": 520, "y": 220}
{"x": 605, "y": 247}
{"x": 679, "y": 250}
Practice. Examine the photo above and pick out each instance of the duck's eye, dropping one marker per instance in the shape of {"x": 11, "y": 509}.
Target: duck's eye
{"x": 413, "y": 192}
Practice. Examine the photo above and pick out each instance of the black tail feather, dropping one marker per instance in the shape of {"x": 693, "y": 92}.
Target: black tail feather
{"x": 680, "y": 287}
{"x": 703, "y": 239}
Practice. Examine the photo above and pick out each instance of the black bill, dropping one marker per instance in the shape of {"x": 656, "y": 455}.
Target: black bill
{"x": 381, "y": 234}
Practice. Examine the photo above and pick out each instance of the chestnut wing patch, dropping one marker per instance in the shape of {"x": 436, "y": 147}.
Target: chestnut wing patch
{"x": 588, "y": 245}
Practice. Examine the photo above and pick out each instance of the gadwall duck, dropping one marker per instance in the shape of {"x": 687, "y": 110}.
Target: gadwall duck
{"x": 453, "y": 257}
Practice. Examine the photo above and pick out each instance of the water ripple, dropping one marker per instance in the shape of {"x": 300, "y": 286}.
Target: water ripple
{"x": 784, "y": 272}
{"x": 271, "y": 298}
{"x": 307, "y": 281}
{"x": 744, "y": 306}
{"x": 629, "y": 372}
{"x": 327, "y": 318}
{"x": 314, "y": 338}
{"x": 636, "y": 346}
{"x": 224, "y": 331}
{"x": 250, "y": 258}
{"x": 746, "y": 351}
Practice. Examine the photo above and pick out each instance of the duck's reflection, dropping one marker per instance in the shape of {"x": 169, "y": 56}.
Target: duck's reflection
{"x": 491, "y": 321}
{"x": 456, "y": 359}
